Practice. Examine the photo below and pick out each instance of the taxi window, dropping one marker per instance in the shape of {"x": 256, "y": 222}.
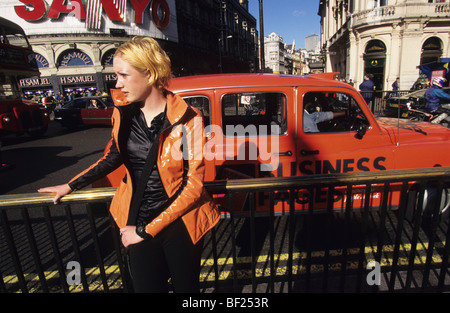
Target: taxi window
{"x": 201, "y": 103}
{"x": 325, "y": 112}
{"x": 255, "y": 113}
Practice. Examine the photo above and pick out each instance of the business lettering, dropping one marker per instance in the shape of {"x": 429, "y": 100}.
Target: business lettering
{"x": 110, "y": 77}
{"x": 77, "y": 79}
{"x": 35, "y": 10}
{"x": 321, "y": 195}
{"x": 311, "y": 167}
{"x": 41, "y": 60}
{"x": 32, "y": 82}
{"x": 83, "y": 57}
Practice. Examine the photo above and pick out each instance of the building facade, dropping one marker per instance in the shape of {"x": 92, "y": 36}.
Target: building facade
{"x": 74, "y": 41}
{"x": 384, "y": 38}
{"x": 274, "y": 53}
{"x": 282, "y": 58}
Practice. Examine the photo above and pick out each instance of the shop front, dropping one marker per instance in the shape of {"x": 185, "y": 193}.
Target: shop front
{"x": 78, "y": 85}
{"x": 36, "y": 88}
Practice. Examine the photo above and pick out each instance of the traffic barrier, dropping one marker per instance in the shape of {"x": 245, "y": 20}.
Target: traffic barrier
{"x": 74, "y": 246}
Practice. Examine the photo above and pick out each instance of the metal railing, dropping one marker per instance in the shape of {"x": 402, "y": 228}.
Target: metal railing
{"x": 377, "y": 103}
{"x": 74, "y": 246}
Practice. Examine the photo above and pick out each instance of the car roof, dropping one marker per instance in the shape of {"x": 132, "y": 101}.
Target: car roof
{"x": 93, "y": 97}
{"x": 216, "y": 81}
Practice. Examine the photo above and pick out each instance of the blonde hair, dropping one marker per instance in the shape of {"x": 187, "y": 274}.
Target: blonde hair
{"x": 145, "y": 54}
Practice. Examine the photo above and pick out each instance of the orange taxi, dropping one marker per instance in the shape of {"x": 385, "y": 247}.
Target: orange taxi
{"x": 257, "y": 126}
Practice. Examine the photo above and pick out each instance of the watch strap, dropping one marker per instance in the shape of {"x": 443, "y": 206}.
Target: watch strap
{"x": 140, "y": 230}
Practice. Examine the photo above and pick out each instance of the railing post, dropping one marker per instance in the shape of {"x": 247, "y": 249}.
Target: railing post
{"x": 76, "y": 248}
{"x": 13, "y": 251}
{"x": 34, "y": 249}
{"x": 54, "y": 242}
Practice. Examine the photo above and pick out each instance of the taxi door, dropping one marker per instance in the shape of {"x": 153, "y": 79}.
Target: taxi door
{"x": 338, "y": 134}
{"x": 258, "y": 135}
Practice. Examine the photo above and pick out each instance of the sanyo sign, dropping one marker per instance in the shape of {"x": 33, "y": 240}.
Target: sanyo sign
{"x": 35, "y": 10}
{"x": 156, "y": 18}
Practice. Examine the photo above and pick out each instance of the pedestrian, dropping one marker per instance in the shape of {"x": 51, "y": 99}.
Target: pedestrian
{"x": 367, "y": 88}
{"x": 417, "y": 84}
{"x": 59, "y": 99}
{"x": 395, "y": 87}
{"x": 161, "y": 206}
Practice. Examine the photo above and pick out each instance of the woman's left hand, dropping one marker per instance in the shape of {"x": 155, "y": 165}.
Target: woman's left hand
{"x": 129, "y": 236}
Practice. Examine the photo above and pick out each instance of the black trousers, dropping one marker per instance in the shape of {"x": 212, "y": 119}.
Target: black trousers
{"x": 171, "y": 254}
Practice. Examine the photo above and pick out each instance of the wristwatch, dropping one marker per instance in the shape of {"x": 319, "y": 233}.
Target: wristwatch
{"x": 140, "y": 230}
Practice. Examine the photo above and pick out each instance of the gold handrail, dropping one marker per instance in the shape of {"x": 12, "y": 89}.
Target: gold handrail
{"x": 246, "y": 185}
{"x": 47, "y": 198}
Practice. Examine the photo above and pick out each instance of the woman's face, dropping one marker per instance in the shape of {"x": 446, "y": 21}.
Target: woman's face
{"x": 134, "y": 84}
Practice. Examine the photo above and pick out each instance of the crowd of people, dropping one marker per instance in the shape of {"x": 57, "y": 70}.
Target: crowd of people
{"x": 51, "y": 100}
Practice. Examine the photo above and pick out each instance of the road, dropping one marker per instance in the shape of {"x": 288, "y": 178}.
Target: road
{"x": 60, "y": 154}
{"x": 50, "y": 160}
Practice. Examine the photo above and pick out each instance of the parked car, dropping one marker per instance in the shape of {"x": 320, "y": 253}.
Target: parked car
{"x": 22, "y": 116}
{"x": 406, "y": 105}
{"x": 85, "y": 110}
{"x": 272, "y": 139}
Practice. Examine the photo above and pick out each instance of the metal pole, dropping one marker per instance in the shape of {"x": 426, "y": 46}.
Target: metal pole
{"x": 261, "y": 36}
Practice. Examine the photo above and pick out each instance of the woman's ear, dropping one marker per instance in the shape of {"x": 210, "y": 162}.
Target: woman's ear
{"x": 150, "y": 78}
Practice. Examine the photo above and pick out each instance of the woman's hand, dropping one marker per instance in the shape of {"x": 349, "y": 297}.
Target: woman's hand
{"x": 60, "y": 191}
{"x": 129, "y": 236}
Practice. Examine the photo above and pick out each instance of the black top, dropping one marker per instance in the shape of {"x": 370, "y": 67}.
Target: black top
{"x": 139, "y": 142}
{"x": 135, "y": 140}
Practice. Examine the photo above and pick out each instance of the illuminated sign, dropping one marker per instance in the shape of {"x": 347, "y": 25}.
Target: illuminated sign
{"x": 34, "y": 82}
{"x": 123, "y": 18}
{"x": 76, "y": 79}
{"x": 36, "y": 10}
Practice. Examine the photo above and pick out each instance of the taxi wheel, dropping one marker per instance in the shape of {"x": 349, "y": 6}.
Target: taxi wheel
{"x": 430, "y": 199}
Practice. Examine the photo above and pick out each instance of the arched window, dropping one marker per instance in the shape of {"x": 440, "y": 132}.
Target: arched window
{"x": 74, "y": 57}
{"x": 40, "y": 60}
{"x": 374, "y": 61}
{"x": 107, "y": 59}
{"x": 431, "y": 50}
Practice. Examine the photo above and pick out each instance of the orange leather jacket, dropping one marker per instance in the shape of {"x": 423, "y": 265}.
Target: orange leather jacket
{"x": 193, "y": 204}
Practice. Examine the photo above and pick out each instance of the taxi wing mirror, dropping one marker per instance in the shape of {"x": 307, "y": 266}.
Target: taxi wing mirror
{"x": 362, "y": 129}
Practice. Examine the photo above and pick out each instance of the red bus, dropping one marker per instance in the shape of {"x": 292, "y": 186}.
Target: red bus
{"x": 17, "y": 115}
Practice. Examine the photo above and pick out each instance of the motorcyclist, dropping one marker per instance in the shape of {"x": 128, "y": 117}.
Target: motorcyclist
{"x": 435, "y": 95}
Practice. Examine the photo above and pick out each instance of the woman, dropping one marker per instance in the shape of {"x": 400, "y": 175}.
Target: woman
{"x": 160, "y": 207}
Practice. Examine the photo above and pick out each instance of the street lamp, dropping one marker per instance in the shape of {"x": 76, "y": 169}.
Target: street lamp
{"x": 220, "y": 41}
{"x": 261, "y": 36}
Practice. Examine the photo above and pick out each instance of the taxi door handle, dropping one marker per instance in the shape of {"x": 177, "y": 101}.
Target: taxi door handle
{"x": 287, "y": 153}
{"x": 309, "y": 152}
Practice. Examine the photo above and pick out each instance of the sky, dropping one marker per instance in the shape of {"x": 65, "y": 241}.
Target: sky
{"x": 291, "y": 19}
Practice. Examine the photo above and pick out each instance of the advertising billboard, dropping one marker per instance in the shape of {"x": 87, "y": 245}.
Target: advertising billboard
{"x": 154, "y": 18}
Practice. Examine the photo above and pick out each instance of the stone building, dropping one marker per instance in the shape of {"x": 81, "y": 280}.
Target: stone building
{"x": 74, "y": 41}
{"x": 385, "y": 38}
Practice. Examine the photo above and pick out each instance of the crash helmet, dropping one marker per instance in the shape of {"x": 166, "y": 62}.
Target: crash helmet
{"x": 438, "y": 81}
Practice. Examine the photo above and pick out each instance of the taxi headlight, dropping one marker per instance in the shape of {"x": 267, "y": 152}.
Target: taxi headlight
{"x": 6, "y": 119}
